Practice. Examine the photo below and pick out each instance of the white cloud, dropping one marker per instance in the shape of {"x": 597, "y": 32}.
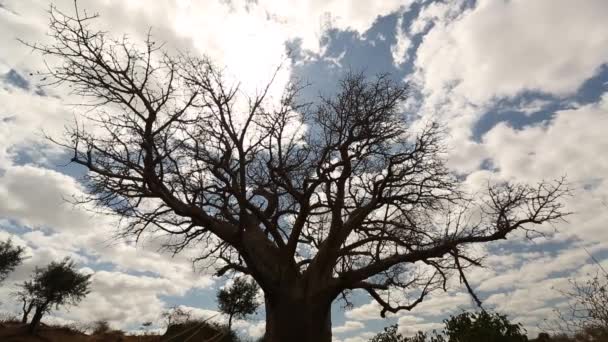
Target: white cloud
{"x": 35, "y": 197}
{"x": 501, "y": 48}
{"x": 364, "y": 312}
{"x": 347, "y": 327}
{"x": 399, "y": 50}
{"x": 569, "y": 144}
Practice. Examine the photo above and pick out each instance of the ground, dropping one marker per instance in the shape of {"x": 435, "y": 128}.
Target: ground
{"x": 17, "y": 332}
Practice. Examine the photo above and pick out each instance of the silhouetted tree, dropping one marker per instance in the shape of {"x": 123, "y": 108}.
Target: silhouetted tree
{"x": 176, "y": 315}
{"x": 10, "y": 257}
{"x": 238, "y": 300}
{"x": 483, "y": 326}
{"x": 58, "y": 284}
{"x": 585, "y": 315}
{"x": 587, "y": 303}
{"x": 466, "y": 327}
{"x": 390, "y": 334}
{"x": 312, "y": 201}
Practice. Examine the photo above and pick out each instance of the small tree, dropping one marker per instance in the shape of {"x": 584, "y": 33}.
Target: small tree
{"x": 10, "y": 257}
{"x": 57, "y": 284}
{"x": 176, "y": 315}
{"x": 587, "y": 307}
{"x": 238, "y": 300}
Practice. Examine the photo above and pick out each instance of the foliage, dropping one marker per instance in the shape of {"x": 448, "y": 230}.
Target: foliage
{"x": 585, "y": 334}
{"x": 483, "y": 326}
{"x": 465, "y": 327}
{"x": 238, "y": 300}
{"x": 592, "y": 334}
{"x": 390, "y": 334}
{"x": 100, "y": 327}
{"x": 176, "y": 315}
{"x": 10, "y": 257}
{"x": 57, "y": 284}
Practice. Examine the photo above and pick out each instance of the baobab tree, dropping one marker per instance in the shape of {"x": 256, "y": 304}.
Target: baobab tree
{"x": 311, "y": 200}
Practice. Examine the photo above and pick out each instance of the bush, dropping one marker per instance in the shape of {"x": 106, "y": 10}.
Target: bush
{"x": 465, "y": 327}
{"x": 483, "y": 326}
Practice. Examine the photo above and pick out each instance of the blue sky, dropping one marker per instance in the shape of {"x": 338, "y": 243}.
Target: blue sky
{"x": 522, "y": 87}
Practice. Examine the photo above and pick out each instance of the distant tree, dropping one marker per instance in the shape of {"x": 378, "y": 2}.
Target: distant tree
{"x": 100, "y": 327}
{"x": 483, "y": 326}
{"x": 586, "y": 311}
{"x": 542, "y": 337}
{"x": 10, "y": 257}
{"x": 176, "y": 315}
{"x": 58, "y": 284}
{"x": 238, "y": 300}
{"x": 313, "y": 200}
{"x": 390, "y": 334}
{"x": 465, "y": 327}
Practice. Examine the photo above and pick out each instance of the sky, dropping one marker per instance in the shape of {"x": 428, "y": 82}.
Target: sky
{"x": 521, "y": 85}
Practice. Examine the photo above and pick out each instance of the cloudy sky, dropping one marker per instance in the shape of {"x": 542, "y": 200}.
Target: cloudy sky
{"x": 522, "y": 86}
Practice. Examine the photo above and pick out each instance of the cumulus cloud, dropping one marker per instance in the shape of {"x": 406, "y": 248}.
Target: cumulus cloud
{"x": 501, "y": 48}
{"x": 348, "y": 326}
{"x": 37, "y": 197}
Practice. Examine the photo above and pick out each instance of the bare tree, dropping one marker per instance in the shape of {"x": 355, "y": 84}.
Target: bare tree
{"x": 311, "y": 200}
{"x": 585, "y": 316}
{"x": 176, "y": 315}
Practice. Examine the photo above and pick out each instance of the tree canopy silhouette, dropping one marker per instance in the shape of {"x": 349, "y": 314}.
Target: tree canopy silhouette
{"x": 57, "y": 284}
{"x": 585, "y": 313}
{"x": 390, "y": 334}
{"x": 312, "y": 200}
{"x": 479, "y": 326}
{"x": 10, "y": 257}
{"x": 483, "y": 326}
{"x": 238, "y": 300}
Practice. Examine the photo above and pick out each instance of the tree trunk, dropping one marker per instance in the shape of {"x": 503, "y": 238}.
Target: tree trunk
{"x": 36, "y": 319}
{"x": 298, "y": 321}
{"x": 27, "y": 308}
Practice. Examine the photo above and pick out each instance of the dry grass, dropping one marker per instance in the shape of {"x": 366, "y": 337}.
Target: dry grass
{"x": 14, "y": 331}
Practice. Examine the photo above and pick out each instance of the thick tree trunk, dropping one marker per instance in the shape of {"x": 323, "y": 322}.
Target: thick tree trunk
{"x": 298, "y": 321}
